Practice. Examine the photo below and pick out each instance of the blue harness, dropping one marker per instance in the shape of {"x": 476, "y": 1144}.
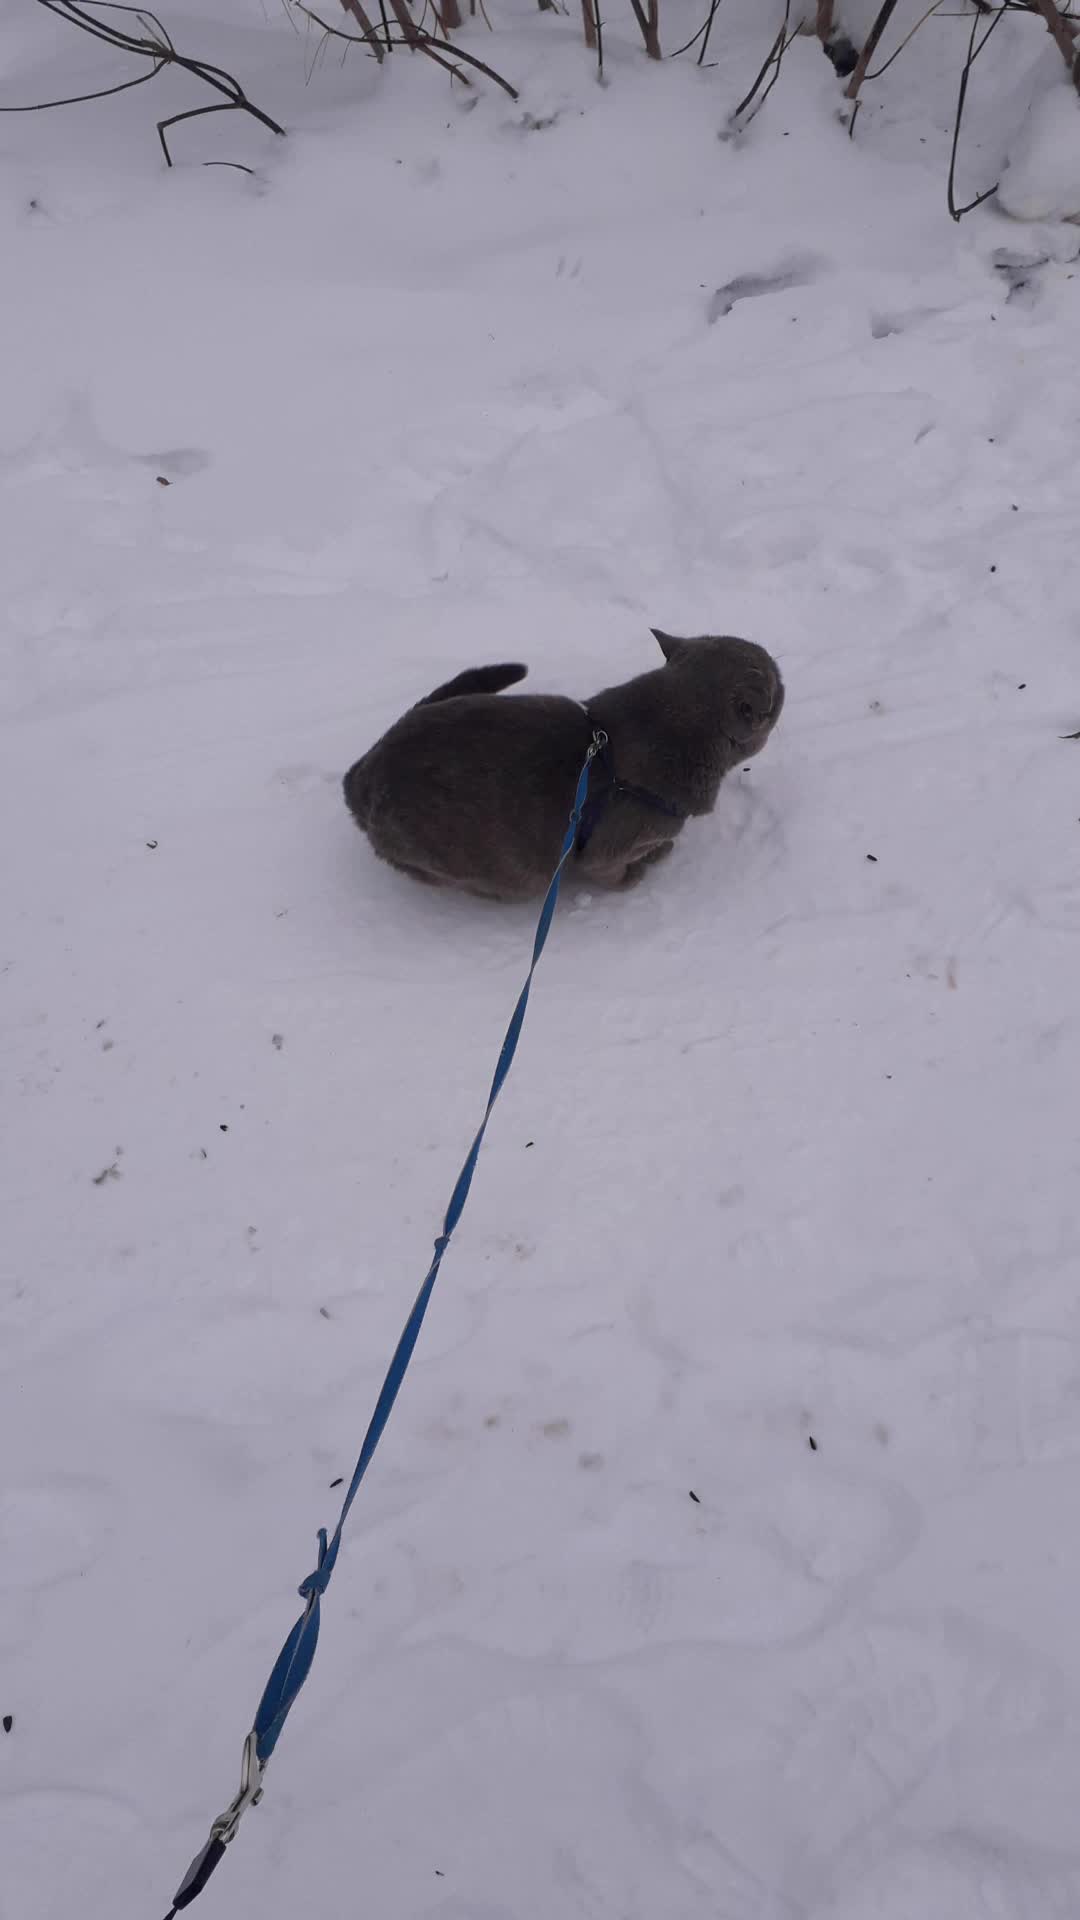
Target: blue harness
{"x": 600, "y": 796}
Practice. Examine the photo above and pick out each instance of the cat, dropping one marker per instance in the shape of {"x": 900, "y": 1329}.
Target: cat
{"x": 471, "y": 789}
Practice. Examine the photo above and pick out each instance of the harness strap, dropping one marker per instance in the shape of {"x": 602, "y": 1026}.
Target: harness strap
{"x": 600, "y": 797}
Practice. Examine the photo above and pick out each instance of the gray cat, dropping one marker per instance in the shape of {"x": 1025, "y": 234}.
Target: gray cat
{"x": 470, "y": 790}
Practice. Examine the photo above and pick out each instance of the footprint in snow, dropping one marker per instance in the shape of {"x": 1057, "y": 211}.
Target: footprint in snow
{"x": 798, "y": 271}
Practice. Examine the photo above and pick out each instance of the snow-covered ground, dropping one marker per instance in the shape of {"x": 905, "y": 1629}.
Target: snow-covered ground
{"x": 781, "y": 1207}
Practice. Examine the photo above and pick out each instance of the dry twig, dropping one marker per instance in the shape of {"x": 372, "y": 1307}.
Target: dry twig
{"x": 886, "y": 11}
{"x": 153, "y": 44}
{"x": 354, "y": 8}
{"x": 973, "y": 53}
{"x": 648, "y": 19}
{"x": 907, "y": 39}
{"x": 708, "y": 30}
{"x": 418, "y": 40}
{"x": 773, "y": 59}
{"x": 705, "y": 29}
{"x": 591, "y": 12}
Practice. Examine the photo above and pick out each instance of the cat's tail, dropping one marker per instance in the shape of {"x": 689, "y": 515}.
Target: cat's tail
{"x": 476, "y": 680}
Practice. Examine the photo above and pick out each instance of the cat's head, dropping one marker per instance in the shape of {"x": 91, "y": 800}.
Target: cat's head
{"x": 738, "y": 681}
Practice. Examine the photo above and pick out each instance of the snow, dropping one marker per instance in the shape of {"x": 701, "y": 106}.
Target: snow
{"x": 789, "y": 1153}
{"x": 1041, "y": 180}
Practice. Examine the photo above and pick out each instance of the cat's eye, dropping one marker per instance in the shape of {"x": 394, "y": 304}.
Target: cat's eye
{"x": 746, "y": 713}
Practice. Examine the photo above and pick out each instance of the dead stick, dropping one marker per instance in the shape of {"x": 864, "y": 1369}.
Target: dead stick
{"x": 354, "y": 8}
{"x": 708, "y": 29}
{"x": 870, "y": 48}
{"x": 409, "y": 29}
{"x": 427, "y": 44}
{"x": 649, "y": 26}
{"x": 975, "y": 47}
{"x": 418, "y": 40}
{"x": 934, "y": 7}
{"x": 776, "y": 52}
{"x": 157, "y": 47}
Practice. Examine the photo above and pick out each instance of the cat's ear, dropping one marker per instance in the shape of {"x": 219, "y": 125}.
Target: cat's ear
{"x": 667, "y": 642}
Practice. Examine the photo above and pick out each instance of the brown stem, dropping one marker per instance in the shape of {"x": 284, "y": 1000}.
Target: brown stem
{"x": 823, "y": 26}
{"x": 588, "y": 21}
{"x": 410, "y": 32}
{"x": 885, "y": 14}
{"x": 366, "y": 26}
{"x": 427, "y": 46}
{"x": 418, "y": 40}
{"x": 649, "y": 22}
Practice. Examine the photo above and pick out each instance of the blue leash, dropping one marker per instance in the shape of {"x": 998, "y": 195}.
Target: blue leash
{"x": 293, "y": 1663}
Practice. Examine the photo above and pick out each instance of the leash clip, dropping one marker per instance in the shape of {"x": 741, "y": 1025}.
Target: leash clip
{"x": 223, "y": 1829}
{"x": 599, "y": 742}
{"x": 251, "y": 1792}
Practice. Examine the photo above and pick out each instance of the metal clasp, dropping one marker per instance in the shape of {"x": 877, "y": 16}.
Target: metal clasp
{"x": 599, "y": 742}
{"x": 251, "y": 1792}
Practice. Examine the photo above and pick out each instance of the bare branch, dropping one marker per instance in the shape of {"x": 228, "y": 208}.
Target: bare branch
{"x": 973, "y": 53}
{"x": 77, "y": 99}
{"x": 907, "y": 39}
{"x": 773, "y": 59}
{"x": 594, "y": 31}
{"x": 888, "y": 8}
{"x": 708, "y": 29}
{"x": 705, "y": 30}
{"x": 152, "y": 43}
{"x": 649, "y": 22}
{"x": 418, "y": 40}
{"x": 447, "y": 14}
{"x": 354, "y": 8}
{"x": 410, "y": 32}
{"x": 427, "y": 43}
